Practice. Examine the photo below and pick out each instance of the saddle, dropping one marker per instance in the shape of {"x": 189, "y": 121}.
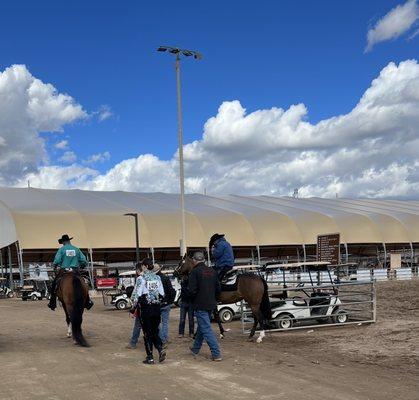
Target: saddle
{"x": 229, "y": 281}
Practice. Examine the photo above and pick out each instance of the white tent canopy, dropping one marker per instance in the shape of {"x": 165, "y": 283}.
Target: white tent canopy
{"x": 37, "y": 217}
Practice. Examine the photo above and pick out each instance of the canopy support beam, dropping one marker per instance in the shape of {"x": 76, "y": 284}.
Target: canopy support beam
{"x": 345, "y": 245}
{"x": 152, "y": 255}
{"x": 385, "y": 256}
{"x": 1, "y": 263}
{"x": 304, "y": 253}
{"x": 412, "y": 254}
{"x": 9, "y": 258}
{"x": 258, "y": 253}
{"x": 90, "y": 270}
{"x": 20, "y": 262}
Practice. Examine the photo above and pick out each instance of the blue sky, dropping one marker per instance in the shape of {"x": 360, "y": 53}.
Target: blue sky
{"x": 264, "y": 54}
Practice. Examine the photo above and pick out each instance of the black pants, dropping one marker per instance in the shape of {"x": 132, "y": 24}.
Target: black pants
{"x": 150, "y": 321}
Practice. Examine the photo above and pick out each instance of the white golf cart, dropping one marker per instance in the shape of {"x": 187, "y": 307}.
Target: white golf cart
{"x": 305, "y": 293}
{"x": 5, "y": 291}
{"x": 228, "y": 312}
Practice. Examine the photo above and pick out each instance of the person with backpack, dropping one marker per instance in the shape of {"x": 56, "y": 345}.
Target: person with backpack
{"x": 166, "y": 305}
{"x": 148, "y": 296}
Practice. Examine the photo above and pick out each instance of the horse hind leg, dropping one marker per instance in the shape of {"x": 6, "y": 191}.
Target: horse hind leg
{"x": 69, "y": 330}
{"x": 220, "y": 325}
{"x": 257, "y": 319}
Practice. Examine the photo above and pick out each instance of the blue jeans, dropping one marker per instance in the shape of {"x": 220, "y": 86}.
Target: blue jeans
{"x": 186, "y": 308}
{"x": 205, "y": 332}
{"x": 164, "y": 326}
{"x": 136, "y": 330}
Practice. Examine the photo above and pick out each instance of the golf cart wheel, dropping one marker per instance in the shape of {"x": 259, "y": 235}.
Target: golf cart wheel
{"x": 34, "y": 297}
{"x": 226, "y": 315}
{"x": 284, "y": 321}
{"x": 121, "y": 305}
{"x": 340, "y": 317}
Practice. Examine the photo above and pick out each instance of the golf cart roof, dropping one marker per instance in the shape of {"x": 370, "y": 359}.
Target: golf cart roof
{"x": 311, "y": 264}
{"x": 127, "y": 273}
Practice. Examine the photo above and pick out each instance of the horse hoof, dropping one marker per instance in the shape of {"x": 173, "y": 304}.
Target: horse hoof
{"x": 69, "y": 336}
{"x": 221, "y": 336}
{"x": 259, "y": 340}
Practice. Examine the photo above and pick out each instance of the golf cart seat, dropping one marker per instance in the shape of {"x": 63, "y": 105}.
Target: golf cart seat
{"x": 319, "y": 299}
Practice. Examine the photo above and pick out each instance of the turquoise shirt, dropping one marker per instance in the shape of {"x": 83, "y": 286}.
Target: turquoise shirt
{"x": 69, "y": 256}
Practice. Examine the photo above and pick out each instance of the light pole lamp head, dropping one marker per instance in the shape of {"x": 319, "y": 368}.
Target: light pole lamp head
{"x": 178, "y": 51}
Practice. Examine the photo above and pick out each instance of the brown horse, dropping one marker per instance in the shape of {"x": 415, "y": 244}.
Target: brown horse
{"x": 72, "y": 293}
{"x": 251, "y": 288}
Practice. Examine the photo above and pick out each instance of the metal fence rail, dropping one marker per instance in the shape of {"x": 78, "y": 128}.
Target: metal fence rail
{"x": 313, "y": 306}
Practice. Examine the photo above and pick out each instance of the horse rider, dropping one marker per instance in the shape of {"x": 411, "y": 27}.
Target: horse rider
{"x": 68, "y": 257}
{"x": 222, "y": 254}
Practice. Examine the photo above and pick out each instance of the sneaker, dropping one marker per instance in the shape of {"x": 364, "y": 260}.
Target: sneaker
{"x": 181, "y": 336}
{"x": 131, "y": 346}
{"x": 219, "y": 358}
{"x": 195, "y": 355}
{"x": 148, "y": 361}
{"x": 162, "y": 356}
{"x": 89, "y": 305}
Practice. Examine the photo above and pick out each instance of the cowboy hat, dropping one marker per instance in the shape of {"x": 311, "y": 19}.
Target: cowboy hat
{"x": 64, "y": 238}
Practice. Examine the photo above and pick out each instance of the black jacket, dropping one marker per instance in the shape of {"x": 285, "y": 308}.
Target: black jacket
{"x": 169, "y": 292}
{"x": 204, "y": 287}
{"x": 185, "y": 296}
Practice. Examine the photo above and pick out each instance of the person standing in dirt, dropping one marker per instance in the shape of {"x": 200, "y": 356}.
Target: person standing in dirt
{"x": 166, "y": 304}
{"x": 185, "y": 309}
{"x": 204, "y": 288}
{"x": 148, "y": 296}
{"x": 135, "y": 313}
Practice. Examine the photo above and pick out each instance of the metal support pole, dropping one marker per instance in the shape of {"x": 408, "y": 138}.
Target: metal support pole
{"x": 20, "y": 262}
{"x": 137, "y": 242}
{"x": 1, "y": 263}
{"x": 209, "y": 256}
{"x": 258, "y": 253}
{"x": 385, "y": 256}
{"x": 346, "y": 253}
{"x": 152, "y": 254}
{"x": 92, "y": 282}
{"x": 412, "y": 256}
{"x": 9, "y": 257}
{"x": 304, "y": 253}
{"x": 181, "y": 170}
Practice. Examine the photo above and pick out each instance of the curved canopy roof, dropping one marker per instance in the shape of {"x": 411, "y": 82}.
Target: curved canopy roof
{"x": 37, "y": 217}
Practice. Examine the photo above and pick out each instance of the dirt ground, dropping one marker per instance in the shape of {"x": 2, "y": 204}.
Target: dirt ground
{"x": 378, "y": 361}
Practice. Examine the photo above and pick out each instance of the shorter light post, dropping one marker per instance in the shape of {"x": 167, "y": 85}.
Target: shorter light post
{"x": 137, "y": 238}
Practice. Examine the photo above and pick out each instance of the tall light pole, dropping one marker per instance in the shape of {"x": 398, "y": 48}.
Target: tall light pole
{"x": 137, "y": 239}
{"x": 197, "y": 56}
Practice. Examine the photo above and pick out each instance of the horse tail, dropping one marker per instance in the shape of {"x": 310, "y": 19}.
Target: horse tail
{"x": 265, "y": 304}
{"x": 77, "y": 312}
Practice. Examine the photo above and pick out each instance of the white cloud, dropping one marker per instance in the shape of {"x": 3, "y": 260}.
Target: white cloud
{"x": 29, "y": 107}
{"x": 371, "y": 151}
{"x": 394, "y": 24}
{"x": 104, "y": 113}
{"x": 59, "y": 177}
{"x": 61, "y": 145}
{"x": 68, "y": 157}
{"x": 98, "y": 158}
